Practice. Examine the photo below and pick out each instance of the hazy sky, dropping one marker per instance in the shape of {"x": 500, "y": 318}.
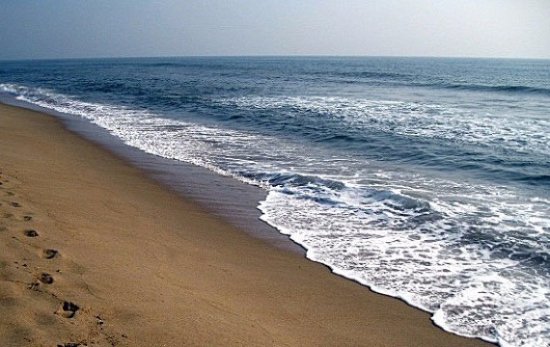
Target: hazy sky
{"x": 106, "y": 28}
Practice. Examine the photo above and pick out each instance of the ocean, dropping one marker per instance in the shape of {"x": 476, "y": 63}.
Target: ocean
{"x": 426, "y": 179}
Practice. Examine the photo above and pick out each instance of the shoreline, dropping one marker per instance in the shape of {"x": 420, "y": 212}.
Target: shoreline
{"x": 237, "y": 203}
{"x": 157, "y": 268}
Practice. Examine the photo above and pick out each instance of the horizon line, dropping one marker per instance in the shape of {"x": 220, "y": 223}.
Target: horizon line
{"x": 271, "y": 56}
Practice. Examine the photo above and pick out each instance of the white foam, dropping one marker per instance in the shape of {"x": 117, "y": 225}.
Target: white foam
{"x": 418, "y": 119}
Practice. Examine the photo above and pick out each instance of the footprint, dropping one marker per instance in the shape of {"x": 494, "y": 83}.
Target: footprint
{"x": 50, "y": 253}
{"x": 16, "y": 204}
{"x": 33, "y": 286}
{"x": 31, "y": 233}
{"x": 68, "y": 310}
{"x": 45, "y": 278}
{"x": 100, "y": 320}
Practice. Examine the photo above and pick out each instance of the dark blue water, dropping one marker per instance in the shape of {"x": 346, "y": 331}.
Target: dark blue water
{"x": 426, "y": 179}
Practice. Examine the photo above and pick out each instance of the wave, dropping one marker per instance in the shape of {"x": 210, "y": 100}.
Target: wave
{"x": 381, "y": 78}
{"x": 407, "y": 80}
{"x": 537, "y": 180}
{"x": 512, "y": 89}
{"x": 366, "y": 75}
{"x": 441, "y": 136}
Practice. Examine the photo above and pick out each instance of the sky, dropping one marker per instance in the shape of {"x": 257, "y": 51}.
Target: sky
{"x": 41, "y": 29}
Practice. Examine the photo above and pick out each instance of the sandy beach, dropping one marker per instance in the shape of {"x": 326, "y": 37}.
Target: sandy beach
{"x": 95, "y": 253}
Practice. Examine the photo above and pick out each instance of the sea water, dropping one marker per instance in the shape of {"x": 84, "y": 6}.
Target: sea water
{"x": 425, "y": 179}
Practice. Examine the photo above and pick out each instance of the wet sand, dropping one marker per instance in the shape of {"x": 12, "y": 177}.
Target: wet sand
{"x": 93, "y": 251}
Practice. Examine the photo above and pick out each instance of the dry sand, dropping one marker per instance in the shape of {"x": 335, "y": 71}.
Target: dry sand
{"x": 94, "y": 252}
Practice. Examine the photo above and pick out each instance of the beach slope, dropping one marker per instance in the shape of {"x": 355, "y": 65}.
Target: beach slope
{"x": 92, "y": 251}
